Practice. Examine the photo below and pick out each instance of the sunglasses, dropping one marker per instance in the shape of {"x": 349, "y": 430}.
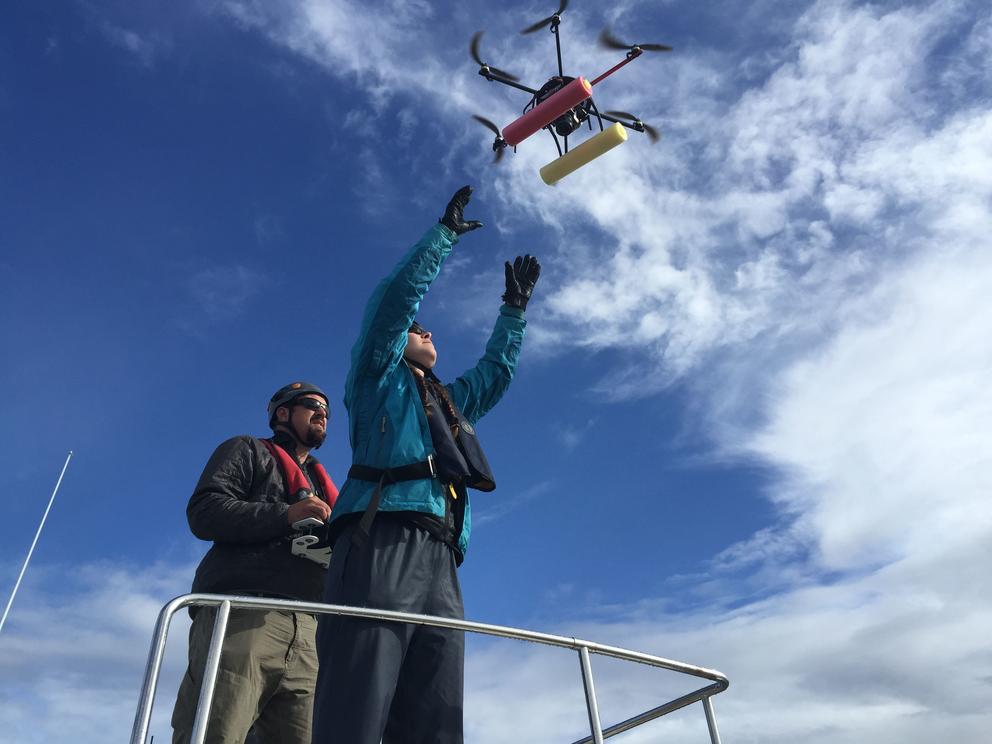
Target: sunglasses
{"x": 312, "y": 403}
{"x": 417, "y": 328}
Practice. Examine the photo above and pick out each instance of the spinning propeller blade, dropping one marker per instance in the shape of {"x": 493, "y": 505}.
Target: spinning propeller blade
{"x": 610, "y": 41}
{"x": 473, "y": 49}
{"x": 653, "y": 134}
{"x": 488, "y": 124}
{"x": 499, "y": 145}
{"x": 547, "y": 21}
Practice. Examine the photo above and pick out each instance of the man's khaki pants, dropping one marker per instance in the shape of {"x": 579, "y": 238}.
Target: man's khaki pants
{"x": 266, "y": 678}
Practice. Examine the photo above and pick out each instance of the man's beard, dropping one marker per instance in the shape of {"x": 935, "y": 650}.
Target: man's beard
{"x": 315, "y": 436}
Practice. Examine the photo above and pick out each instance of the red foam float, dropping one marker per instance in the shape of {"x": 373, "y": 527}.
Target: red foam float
{"x": 547, "y": 111}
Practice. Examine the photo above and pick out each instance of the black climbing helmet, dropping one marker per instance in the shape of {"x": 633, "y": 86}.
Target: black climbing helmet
{"x": 284, "y": 395}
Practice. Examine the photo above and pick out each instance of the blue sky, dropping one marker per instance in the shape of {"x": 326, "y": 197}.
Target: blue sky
{"x": 749, "y": 428}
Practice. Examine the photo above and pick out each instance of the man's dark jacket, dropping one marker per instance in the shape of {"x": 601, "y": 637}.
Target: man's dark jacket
{"x": 240, "y": 503}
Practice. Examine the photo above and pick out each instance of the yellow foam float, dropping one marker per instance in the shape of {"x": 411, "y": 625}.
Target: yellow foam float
{"x": 588, "y": 151}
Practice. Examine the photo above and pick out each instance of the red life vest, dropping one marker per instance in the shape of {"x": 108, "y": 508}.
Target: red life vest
{"x": 296, "y": 482}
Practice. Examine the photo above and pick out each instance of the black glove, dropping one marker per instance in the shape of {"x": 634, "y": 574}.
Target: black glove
{"x": 520, "y": 280}
{"x": 454, "y": 218}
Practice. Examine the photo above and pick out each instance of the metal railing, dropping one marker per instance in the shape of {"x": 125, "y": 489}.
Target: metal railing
{"x": 224, "y": 603}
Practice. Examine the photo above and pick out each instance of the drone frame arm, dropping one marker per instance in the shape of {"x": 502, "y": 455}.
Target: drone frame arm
{"x": 636, "y": 126}
{"x": 631, "y": 56}
{"x": 491, "y": 76}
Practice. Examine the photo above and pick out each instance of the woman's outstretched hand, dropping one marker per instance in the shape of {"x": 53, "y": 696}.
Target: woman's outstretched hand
{"x": 454, "y": 214}
{"x": 521, "y": 277}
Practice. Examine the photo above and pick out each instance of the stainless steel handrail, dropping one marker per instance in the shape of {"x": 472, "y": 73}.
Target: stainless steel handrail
{"x": 142, "y": 719}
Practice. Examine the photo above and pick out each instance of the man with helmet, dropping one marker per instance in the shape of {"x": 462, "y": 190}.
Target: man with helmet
{"x": 250, "y": 501}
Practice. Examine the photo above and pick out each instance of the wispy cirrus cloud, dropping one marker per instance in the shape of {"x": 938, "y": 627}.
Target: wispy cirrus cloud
{"x": 571, "y": 435}
{"x": 493, "y": 511}
{"x": 143, "y": 49}
{"x": 220, "y": 293}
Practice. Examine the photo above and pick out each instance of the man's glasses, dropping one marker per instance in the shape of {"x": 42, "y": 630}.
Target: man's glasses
{"x": 417, "y": 328}
{"x": 312, "y": 403}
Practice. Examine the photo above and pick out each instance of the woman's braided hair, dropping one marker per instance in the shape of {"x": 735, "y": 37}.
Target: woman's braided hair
{"x": 440, "y": 392}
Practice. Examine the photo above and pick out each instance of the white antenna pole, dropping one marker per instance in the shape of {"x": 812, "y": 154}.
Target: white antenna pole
{"x": 34, "y": 542}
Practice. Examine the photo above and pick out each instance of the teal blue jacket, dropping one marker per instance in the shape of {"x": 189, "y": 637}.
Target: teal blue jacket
{"x": 387, "y": 423}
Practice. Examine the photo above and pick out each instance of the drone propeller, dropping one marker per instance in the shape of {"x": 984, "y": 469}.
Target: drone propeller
{"x": 610, "y": 41}
{"x": 473, "y": 49}
{"x": 547, "y": 21}
{"x": 650, "y": 131}
{"x": 500, "y": 144}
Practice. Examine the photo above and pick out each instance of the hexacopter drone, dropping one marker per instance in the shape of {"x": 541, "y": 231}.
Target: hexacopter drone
{"x": 563, "y": 104}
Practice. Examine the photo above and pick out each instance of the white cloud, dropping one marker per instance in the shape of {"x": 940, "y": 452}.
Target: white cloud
{"x": 865, "y": 658}
{"x": 885, "y": 429}
{"x": 222, "y": 292}
{"x": 73, "y": 651}
{"x": 794, "y": 161}
{"x": 571, "y": 435}
{"x": 348, "y": 39}
{"x": 492, "y": 511}
{"x": 269, "y": 230}
{"x": 144, "y": 48}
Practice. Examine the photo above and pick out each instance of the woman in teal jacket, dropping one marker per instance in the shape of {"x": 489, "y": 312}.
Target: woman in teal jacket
{"x": 402, "y": 521}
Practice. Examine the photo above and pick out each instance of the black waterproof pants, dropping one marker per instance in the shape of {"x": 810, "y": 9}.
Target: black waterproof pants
{"x": 384, "y": 680}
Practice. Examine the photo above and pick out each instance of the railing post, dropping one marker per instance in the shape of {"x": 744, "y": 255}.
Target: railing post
{"x": 711, "y": 720}
{"x": 210, "y": 673}
{"x": 591, "y": 705}
{"x": 142, "y": 719}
